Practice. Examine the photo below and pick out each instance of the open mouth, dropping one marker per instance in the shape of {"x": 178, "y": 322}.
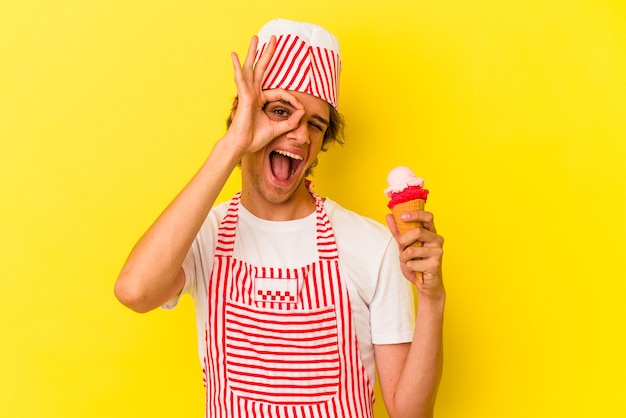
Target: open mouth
{"x": 284, "y": 164}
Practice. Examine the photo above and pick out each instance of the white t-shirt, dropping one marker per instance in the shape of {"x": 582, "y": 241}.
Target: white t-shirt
{"x": 380, "y": 296}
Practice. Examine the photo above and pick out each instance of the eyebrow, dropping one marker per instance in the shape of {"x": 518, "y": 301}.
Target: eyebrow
{"x": 313, "y": 116}
{"x": 321, "y": 119}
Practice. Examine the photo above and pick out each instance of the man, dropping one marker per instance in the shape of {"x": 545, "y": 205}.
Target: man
{"x": 295, "y": 296}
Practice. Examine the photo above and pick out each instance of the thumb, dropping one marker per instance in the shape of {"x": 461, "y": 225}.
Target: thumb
{"x": 290, "y": 123}
{"x": 393, "y": 227}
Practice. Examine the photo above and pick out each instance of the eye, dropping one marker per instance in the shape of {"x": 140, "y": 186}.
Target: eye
{"x": 281, "y": 112}
{"x": 317, "y": 126}
{"x": 276, "y": 111}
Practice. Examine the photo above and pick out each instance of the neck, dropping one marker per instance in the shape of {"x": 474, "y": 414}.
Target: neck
{"x": 298, "y": 205}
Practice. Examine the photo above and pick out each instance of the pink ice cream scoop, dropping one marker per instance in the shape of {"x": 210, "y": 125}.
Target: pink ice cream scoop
{"x": 404, "y": 186}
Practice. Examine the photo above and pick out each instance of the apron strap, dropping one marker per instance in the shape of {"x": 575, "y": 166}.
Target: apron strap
{"x": 326, "y": 244}
{"x": 226, "y": 231}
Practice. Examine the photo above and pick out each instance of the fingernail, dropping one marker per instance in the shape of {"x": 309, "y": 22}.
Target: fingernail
{"x": 404, "y": 216}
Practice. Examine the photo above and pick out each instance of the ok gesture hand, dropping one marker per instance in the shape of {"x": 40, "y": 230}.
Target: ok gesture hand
{"x": 251, "y": 129}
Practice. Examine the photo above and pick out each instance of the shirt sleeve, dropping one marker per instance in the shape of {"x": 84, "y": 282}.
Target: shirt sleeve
{"x": 392, "y": 309}
{"x": 190, "y": 279}
{"x": 199, "y": 260}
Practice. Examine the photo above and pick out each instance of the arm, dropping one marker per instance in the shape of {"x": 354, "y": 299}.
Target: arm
{"x": 410, "y": 373}
{"x": 152, "y": 273}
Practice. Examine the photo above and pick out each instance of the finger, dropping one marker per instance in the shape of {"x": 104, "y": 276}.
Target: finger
{"x": 426, "y": 237}
{"x": 264, "y": 60}
{"x": 288, "y": 100}
{"x": 393, "y": 227}
{"x": 281, "y": 95}
{"x": 421, "y": 253}
{"x": 419, "y": 235}
{"x": 417, "y": 267}
{"x": 249, "y": 62}
{"x": 426, "y": 218}
{"x": 424, "y": 265}
{"x": 291, "y": 123}
{"x": 236, "y": 64}
{"x": 418, "y": 216}
{"x": 238, "y": 74}
{"x": 408, "y": 238}
{"x": 430, "y": 225}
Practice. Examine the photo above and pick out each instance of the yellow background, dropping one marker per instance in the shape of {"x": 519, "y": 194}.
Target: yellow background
{"x": 513, "y": 111}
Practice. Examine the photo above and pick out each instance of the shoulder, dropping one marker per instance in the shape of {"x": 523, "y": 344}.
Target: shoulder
{"x": 351, "y": 226}
{"x": 207, "y": 235}
{"x": 343, "y": 217}
{"x": 215, "y": 216}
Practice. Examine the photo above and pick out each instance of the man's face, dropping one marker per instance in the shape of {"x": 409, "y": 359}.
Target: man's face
{"x": 276, "y": 172}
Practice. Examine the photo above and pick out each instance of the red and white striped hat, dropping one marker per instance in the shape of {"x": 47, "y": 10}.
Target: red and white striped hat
{"x": 307, "y": 59}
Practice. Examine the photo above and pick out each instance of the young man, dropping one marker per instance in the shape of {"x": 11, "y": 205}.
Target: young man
{"x": 298, "y": 301}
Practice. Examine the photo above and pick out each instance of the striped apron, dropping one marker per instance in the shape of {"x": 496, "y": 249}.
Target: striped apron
{"x": 281, "y": 341}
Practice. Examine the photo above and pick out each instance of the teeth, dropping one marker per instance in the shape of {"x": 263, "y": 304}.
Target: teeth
{"x": 288, "y": 154}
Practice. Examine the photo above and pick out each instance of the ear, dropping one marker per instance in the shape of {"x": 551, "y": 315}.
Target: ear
{"x": 233, "y": 109}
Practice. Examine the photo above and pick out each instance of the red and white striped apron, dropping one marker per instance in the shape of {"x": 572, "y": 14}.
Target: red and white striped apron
{"x": 281, "y": 341}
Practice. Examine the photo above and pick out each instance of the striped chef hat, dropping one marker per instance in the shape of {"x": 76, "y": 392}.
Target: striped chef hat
{"x": 306, "y": 59}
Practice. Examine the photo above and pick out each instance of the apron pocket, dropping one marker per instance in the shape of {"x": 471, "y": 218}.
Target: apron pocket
{"x": 285, "y": 357}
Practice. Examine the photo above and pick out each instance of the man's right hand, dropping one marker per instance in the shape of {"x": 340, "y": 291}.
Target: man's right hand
{"x": 251, "y": 129}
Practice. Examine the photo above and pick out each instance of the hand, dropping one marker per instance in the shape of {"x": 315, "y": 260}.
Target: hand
{"x": 251, "y": 129}
{"x": 425, "y": 259}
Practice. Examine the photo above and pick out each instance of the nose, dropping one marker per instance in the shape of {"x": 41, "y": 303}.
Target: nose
{"x": 300, "y": 134}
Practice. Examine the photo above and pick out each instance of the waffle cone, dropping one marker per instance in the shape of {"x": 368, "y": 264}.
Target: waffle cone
{"x": 403, "y": 226}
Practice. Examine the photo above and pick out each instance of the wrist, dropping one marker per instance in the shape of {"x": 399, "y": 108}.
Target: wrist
{"x": 435, "y": 300}
{"x": 227, "y": 149}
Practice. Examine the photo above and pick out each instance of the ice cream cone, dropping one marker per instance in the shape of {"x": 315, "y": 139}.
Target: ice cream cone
{"x": 404, "y": 227}
{"x": 407, "y": 193}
